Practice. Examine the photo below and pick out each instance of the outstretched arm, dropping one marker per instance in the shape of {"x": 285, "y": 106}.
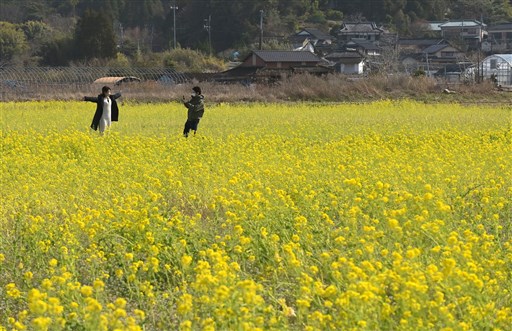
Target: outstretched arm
{"x": 91, "y": 99}
{"x": 117, "y": 95}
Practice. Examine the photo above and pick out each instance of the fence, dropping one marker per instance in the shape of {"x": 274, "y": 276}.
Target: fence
{"x": 38, "y": 81}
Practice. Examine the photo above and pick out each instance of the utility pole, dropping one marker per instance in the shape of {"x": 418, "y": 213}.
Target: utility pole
{"x": 480, "y": 39}
{"x": 174, "y": 8}
{"x": 208, "y": 27}
{"x": 261, "y": 29}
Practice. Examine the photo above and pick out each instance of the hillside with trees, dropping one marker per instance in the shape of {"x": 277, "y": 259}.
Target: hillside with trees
{"x": 65, "y": 32}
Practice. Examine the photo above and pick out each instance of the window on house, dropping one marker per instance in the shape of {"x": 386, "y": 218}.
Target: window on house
{"x": 494, "y": 63}
{"x": 448, "y": 54}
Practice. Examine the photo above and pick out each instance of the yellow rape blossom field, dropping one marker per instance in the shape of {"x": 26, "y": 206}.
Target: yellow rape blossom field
{"x": 392, "y": 215}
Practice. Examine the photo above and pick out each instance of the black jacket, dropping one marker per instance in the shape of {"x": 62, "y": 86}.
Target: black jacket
{"x": 195, "y": 107}
{"x": 99, "y": 109}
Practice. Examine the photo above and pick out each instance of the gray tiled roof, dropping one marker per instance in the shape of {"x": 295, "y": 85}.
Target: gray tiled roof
{"x": 502, "y": 26}
{"x": 359, "y": 27}
{"x": 366, "y": 44}
{"x": 318, "y": 34}
{"x": 435, "y": 48}
{"x": 287, "y": 56}
{"x": 346, "y": 55}
{"x": 419, "y": 42}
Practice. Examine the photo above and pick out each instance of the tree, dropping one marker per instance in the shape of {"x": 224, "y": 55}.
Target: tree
{"x": 56, "y": 52}
{"x": 36, "y": 33}
{"x": 12, "y": 41}
{"x": 94, "y": 36}
{"x": 141, "y": 13}
{"x": 35, "y": 10}
{"x": 489, "y": 10}
{"x": 427, "y": 9}
{"x": 111, "y": 7}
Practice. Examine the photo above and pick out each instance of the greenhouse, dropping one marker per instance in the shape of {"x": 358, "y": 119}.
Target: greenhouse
{"x": 498, "y": 67}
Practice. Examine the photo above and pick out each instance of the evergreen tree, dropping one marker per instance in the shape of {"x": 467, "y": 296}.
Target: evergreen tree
{"x": 56, "y": 52}
{"x": 143, "y": 12}
{"x": 94, "y": 36}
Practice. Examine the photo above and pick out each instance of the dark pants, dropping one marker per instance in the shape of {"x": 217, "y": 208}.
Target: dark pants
{"x": 190, "y": 125}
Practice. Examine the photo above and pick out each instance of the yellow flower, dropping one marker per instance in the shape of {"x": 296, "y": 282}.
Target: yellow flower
{"x": 448, "y": 265}
{"x": 55, "y": 307}
{"x": 93, "y": 305}
{"x": 47, "y": 284}
{"x": 98, "y": 284}
{"x": 18, "y": 326}
{"x": 119, "y": 312}
{"x": 12, "y": 290}
{"x": 303, "y": 303}
{"x": 38, "y": 307}
{"x": 86, "y": 291}
{"x": 263, "y": 232}
{"x": 120, "y": 302}
{"x": 186, "y": 325}
{"x": 412, "y": 253}
{"x": 393, "y": 223}
{"x": 139, "y": 313}
{"x": 245, "y": 240}
{"x": 185, "y": 304}
{"x": 186, "y": 260}
{"x": 41, "y": 323}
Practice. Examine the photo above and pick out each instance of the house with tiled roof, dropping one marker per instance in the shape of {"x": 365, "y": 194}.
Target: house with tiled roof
{"x": 434, "y": 27}
{"x": 313, "y": 35}
{"x": 351, "y": 62}
{"x": 280, "y": 59}
{"x": 472, "y": 32}
{"x": 311, "y": 39}
{"x": 499, "y": 38}
{"x": 363, "y": 46}
{"x": 359, "y": 30}
{"x": 417, "y": 45}
{"x": 442, "y": 53}
{"x": 427, "y": 54}
{"x": 271, "y": 65}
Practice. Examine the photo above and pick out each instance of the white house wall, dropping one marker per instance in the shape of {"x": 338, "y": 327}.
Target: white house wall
{"x": 360, "y": 68}
{"x": 351, "y": 69}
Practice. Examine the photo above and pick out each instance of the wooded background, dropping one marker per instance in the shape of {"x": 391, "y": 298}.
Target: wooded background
{"x": 63, "y": 32}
